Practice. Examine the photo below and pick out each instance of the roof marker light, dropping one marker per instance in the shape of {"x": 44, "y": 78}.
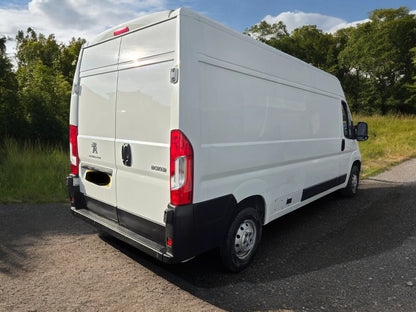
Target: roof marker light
{"x": 121, "y": 31}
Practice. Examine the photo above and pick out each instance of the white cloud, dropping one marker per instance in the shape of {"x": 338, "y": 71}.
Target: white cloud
{"x": 297, "y": 19}
{"x": 71, "y": 18}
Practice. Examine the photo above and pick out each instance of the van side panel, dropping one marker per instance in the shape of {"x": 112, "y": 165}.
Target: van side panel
{"x": 261, "y": 122}
{"x": 286, "y": 137}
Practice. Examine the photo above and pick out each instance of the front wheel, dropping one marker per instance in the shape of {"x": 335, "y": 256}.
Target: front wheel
{"x": 351, "y": 189}
{"x": 242, "y": 240}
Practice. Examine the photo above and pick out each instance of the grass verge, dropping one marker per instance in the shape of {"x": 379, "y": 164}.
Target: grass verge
{"x": 392, "y": 139}
{"x": 32, "y": 173}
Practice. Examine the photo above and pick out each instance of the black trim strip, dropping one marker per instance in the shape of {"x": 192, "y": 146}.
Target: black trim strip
{"x": 322, "y": 187}
{"x": 144, "y": 227}
{"x": 101, "y": 208}
{"x": 141, "y": 226}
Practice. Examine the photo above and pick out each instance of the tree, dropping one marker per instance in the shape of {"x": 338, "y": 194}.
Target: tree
{"x": 265, "y": 31}
{"x": 378, "y": 55}
{"x": 275, "y": 35}
{"x": 412, "y": 86}
{"x": 11, "y": 113}
{"x": 307, "y": 43}
{"x": 46, "y": 95}
{"x": 314, "y": 46}
{"x": 33, "y": 47}
{"x": 44, "y": 74}
{"x": 69, "y": 57}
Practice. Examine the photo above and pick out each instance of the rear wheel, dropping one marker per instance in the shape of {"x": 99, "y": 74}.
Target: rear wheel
{"x": 351, "y": 189}
{"x": 242, "y": 240}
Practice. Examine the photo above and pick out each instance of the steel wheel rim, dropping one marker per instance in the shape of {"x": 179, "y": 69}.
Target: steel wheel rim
{"x": 245, "y": 239}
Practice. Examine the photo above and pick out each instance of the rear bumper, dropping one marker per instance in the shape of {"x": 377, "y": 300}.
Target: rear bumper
{"x": 191, "y": 229}
{"x": 140, "y": 242}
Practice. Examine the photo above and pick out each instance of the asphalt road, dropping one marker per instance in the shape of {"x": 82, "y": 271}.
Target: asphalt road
{"x": 333, "y": 255}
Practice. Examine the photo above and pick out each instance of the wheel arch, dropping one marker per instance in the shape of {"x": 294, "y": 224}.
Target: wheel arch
{"x": 251, "y": 193}
{"x": 357, "y": 163}
{"x": 257, "y": 202}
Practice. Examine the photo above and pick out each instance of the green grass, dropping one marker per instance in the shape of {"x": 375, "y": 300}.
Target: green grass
{"x": 392, "y": 139}
{"x": 32, "y": 173}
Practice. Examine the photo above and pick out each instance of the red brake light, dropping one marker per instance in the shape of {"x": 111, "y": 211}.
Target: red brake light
{"x": 181, "y": 169}
{"x": 121, "y": 31}
{"x": 73, "y": 149}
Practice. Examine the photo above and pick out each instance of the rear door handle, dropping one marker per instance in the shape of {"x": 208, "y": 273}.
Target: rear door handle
{"x": 126, "y": 154}
{"x": 343, "y": 145}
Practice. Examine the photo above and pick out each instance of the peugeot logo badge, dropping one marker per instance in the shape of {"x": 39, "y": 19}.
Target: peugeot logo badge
{"x": 94, "y": 148}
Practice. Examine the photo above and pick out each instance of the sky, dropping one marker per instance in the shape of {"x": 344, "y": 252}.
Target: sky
{"x": 87, "y": 18}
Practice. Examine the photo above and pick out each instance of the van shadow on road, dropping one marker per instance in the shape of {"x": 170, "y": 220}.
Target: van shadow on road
{"x": 335, "y": 236}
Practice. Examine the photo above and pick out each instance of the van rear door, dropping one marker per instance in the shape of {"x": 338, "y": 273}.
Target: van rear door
{"x": 145, "y": 97}
{"x": 96, "y": 131}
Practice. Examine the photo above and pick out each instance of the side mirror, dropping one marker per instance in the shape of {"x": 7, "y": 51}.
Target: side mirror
{"x": 361, "y": 131}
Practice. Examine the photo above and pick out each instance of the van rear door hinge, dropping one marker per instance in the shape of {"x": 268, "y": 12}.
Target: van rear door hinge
{"x": 77, "y": 89}
{"x": 174, "y": 74}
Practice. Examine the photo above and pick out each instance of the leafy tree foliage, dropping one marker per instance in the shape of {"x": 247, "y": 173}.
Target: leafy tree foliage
{"x": 45, "y": 70}
{"x": 412, "y": 87}
{"x": 379, "y": 53}
{"x": 11, "y": 113}
{"x": 265, "y": 31}
{"x": 68, "y": 58}
{"x": 307, "y": 43}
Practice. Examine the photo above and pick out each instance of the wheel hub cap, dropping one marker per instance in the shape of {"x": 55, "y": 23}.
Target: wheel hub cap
{"x": 245, "y": 239}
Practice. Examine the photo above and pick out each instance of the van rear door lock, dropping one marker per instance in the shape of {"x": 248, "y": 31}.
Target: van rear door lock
{"x": 126, "y": 154}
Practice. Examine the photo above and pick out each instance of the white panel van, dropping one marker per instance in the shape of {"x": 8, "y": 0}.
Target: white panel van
{"x": 186, "y": 136}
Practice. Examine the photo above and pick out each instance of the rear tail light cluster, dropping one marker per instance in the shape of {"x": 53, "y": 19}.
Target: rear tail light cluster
{"x": 73, "y": 149}
{"x": 181, "y": 169}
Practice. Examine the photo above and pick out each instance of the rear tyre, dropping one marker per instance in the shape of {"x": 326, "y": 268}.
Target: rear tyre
{"x": 351, "y": 189}
{"x": 242, "y": 241}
